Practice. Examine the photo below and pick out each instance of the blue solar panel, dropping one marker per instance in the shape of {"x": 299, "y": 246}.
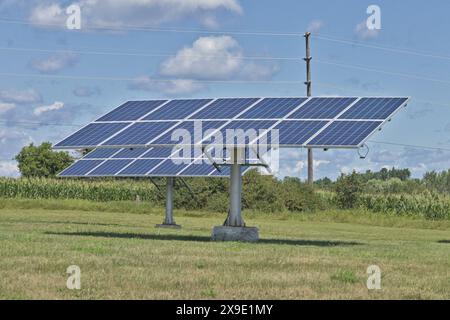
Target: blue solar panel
{"x": 140, "y": 167}
{"x": 158, "y": 153}
{"x": 272, "y": 108}
{"x": 177, "y": 109}
{"x": 176, "y": 136}
{"x": 224, "y": 171}
{"x": 139, "y": 133}
{"x": 297, "y": 132}
{"x": 345, "y": 133}
{"x": 132, "y": 110}
{"x": 373, "y": 108}
{"x": 130, "y": 153}
{"x": 92, "y": 135}
{"x": 110, "y": 167}
{"x": 322, "y": 108}
{"x": 80, "y": 168}
{"x": 198, "y": 170}
{"x": 167, "y": 168}
{"x": 101, "y": 153}
{"x": 225, "y": 108}
{"x": 243, "y": 131}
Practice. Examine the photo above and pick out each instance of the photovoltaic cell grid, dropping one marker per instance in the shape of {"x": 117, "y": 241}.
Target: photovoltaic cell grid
{"x": 139, "y": 162}
{"x": 307, "y": 122}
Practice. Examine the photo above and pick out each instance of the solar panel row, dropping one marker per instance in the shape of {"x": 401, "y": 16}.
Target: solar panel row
{"x": 153, "y": 162}
{"x": 300, "y": 121}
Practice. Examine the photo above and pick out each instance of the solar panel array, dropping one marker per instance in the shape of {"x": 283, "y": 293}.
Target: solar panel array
{"x": 149, "y": 162}
{"x": 301, "y": 122}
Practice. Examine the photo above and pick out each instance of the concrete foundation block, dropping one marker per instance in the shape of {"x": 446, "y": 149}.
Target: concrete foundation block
{"x": 225, "y": 233}
{"x": 168, "y": 226}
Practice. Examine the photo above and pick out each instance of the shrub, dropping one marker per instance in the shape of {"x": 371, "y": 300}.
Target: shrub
{"x": 348, "y": 189}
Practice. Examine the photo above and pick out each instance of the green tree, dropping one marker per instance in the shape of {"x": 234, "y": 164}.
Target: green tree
{"x": 42, "y": 161}
{"x": 348, "y": 189}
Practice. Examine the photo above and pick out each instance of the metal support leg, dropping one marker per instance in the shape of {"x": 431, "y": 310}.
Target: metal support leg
{"x": 235, "y": 216}
{"x": 169, "y": 202}
{"x": 169, "y": 221}
{"x": 234, "y": 228}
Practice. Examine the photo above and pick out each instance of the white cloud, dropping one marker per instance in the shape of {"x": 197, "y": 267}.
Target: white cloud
{"x": 116, "y": 13}
{"x": 315, "y": 26}
{"x": 362, "y": 32}
{"x": 20, "y": 96}
{"x": 214, "y": 58}
{"x": 318, "y": 163}
{"x": 52, "y": 14}
{"x": 170, "y": 87}
{"x": 210, "y": 22}
{"x": 6, "y": 107}
{"x": 55, "y": 62}
{"x": 9, "y": 169}
{"x": 11, "y": 141}
{"x": 43, "y": 109}
{"x": 207, "y": 59}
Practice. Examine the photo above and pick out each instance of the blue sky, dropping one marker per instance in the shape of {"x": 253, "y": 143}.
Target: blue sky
{"x": 53, "y": 80}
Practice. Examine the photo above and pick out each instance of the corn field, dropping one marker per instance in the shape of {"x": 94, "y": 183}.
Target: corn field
{"x": 427, "y": 205}
{"x": 94, "y": 190}
{"x": 212, "y": 195}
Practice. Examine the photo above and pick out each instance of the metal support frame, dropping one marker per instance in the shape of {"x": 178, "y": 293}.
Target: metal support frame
{"x": 169, "y": 222}
{"x": 169, "y": 202}
{"x": 234, "y": 216}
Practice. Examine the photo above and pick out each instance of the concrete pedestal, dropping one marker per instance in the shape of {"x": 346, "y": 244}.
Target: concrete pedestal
{"x": 226, "y": 233}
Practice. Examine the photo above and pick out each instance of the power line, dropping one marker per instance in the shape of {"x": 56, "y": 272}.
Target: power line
{"x": 319, "y": 36}
{"x": 410, "y": 145}
{"x": 139, "y": 54}
{"x": 363, "y": 68}
{"x": 53, "y": 76}
{"x": 381, "y": 47}
{"x": 157, "y": 29}
{"x": 46, "y": 124}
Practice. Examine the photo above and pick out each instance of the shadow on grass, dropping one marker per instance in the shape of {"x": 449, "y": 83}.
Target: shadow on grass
{"x": 70, "y": 222}
{"x": 174, "y": 237}
{"x": 444, "y": 241}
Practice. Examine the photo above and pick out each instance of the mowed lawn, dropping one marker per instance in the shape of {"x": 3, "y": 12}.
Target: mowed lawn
{"x": 122, "y": 256}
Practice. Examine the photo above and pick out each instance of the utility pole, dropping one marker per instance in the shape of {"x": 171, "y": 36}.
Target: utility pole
{"x": 308, "y": 94}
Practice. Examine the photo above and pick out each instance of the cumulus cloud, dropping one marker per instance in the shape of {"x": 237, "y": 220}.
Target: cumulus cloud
{"x": 315, "y": 26}
{"x": 43, "y": 109}
{"x": 54, "y": 63}
{"x": 9, "y": 169}
{"x": 6, "y": 107}
{"x": 214, "y": 58}
{"x": 206, "y": 59}
{"x": 115, "y": 13}
{"x": 11, "y": 141}
{"x": 170, "y": 87}
{"x": 20, "y": 96}
{"x": 363, "y": 33}
{"x": 48, "y": 14}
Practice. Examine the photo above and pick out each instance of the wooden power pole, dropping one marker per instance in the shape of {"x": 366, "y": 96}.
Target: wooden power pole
{"x": 308, "y": 93}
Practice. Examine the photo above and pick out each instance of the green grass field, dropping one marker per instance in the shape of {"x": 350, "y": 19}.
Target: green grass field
{"x": 300, "y": 256}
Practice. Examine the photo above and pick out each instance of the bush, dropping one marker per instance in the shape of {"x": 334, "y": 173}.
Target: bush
{"x": 300, "y": 197}
{"x": 348, "y": 189}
